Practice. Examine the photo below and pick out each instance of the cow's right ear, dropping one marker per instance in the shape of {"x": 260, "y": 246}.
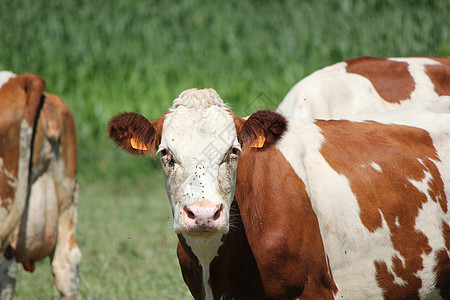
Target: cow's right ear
{"x": 134, "y": 133}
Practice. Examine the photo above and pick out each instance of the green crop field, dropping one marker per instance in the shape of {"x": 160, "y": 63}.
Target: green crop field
{"x": 104, "y": 57}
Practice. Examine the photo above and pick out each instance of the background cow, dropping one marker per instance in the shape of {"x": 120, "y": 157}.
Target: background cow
{"x": 367, "y": 85}
{"x": 38, "y": 186}
{"x": 325, "y": 209}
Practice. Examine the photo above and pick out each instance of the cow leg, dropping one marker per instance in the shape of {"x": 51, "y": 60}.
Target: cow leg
{"x": 67, "y": 256}
{"x": 8, "y": 271}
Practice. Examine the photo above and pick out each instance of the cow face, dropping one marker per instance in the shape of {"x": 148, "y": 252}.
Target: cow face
{"x": 199, "y": 140}
{"x": 199, "y": 153}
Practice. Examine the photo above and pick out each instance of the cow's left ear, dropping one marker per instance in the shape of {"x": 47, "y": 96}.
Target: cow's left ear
{"x": 261, "y": 129}
{"x": 135, "y": 134}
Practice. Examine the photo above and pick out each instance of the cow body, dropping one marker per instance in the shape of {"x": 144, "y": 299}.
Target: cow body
{"x": 38, "y": 183}
{"x": 323, "y": 209}
{"x": 367, "y": 85}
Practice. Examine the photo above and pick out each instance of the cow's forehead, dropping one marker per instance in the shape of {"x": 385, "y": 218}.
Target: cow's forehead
{"x": 199, "y": 127}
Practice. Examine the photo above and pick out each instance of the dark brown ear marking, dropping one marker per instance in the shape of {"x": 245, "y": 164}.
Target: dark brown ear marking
{"x": 134, "y": 133}
{"x": 262, "y": 129}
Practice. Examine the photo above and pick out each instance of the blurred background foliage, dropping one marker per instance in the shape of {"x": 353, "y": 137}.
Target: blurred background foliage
{"x": 104, "y": 57}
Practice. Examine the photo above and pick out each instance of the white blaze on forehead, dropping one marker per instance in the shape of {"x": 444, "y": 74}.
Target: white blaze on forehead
{"x": 199, "y": 128}
{"x": 5, "y": 76}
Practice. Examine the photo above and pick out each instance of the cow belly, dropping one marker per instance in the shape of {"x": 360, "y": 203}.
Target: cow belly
{"x": 37, "y": 233}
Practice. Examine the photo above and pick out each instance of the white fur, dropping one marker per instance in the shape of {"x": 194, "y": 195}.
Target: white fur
{"x": 376, "y": 167}
{"x": 424, "y": 87}
{"x": 13, "y": 217}
{"x": 431, "y": 226}
{"x": 5, "y": 76}
{"x": 40, "y": 223}
{"x": 333, "y": 93}
{"x": 3, "y": 211}
{"x": 205, "y": 250}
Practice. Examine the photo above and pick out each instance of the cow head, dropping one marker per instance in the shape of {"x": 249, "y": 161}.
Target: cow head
{"x": 199, "y": 139}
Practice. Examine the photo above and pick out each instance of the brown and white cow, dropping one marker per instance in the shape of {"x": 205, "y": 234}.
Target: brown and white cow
{"x": 347, "y": 209}
{"x": 38, "y": 185}
{"x": 367, "y": 85}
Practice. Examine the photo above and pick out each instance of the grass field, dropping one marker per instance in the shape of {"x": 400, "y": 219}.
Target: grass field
{"x": 104, "y": 57}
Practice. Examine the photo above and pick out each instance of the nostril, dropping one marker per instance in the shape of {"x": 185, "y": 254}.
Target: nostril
{"x": 189, "y": 213}
{"x": 218, "y": 213}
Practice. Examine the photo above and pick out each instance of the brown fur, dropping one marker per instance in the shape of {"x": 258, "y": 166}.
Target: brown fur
{"x": 20, "y": 98}
{"x": 34, "y": 86}
{"x": 440, "y": 75}
{"x": 125, "y": 126}
{"x": 262, "y": 123}
{"x": 275, "y": 209}
{"x": 396, "y": 149}
{"x": 391, "y": 79}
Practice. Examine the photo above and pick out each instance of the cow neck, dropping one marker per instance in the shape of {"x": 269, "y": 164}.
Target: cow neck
{"x": 205, "y": 250}
{"x": 281, "y": 226}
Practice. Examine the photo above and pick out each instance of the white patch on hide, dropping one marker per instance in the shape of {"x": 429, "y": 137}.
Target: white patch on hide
{"x": 17, "y": 209}
{"x": 424, "y": 87}
{"x": 5, "y": 76}
{"x": 376, "y": 167}
{"x": 429, "y": 222}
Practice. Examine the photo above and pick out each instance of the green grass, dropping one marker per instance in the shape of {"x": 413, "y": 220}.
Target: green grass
{"x": 104, "y": 57}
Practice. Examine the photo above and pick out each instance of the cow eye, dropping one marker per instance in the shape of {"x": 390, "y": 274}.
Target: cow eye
{"x": 167, "y": 157}
{"x": 164, "y": 152}
{"x": 231, "y": 154}
{"x": 234, "y": 151}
